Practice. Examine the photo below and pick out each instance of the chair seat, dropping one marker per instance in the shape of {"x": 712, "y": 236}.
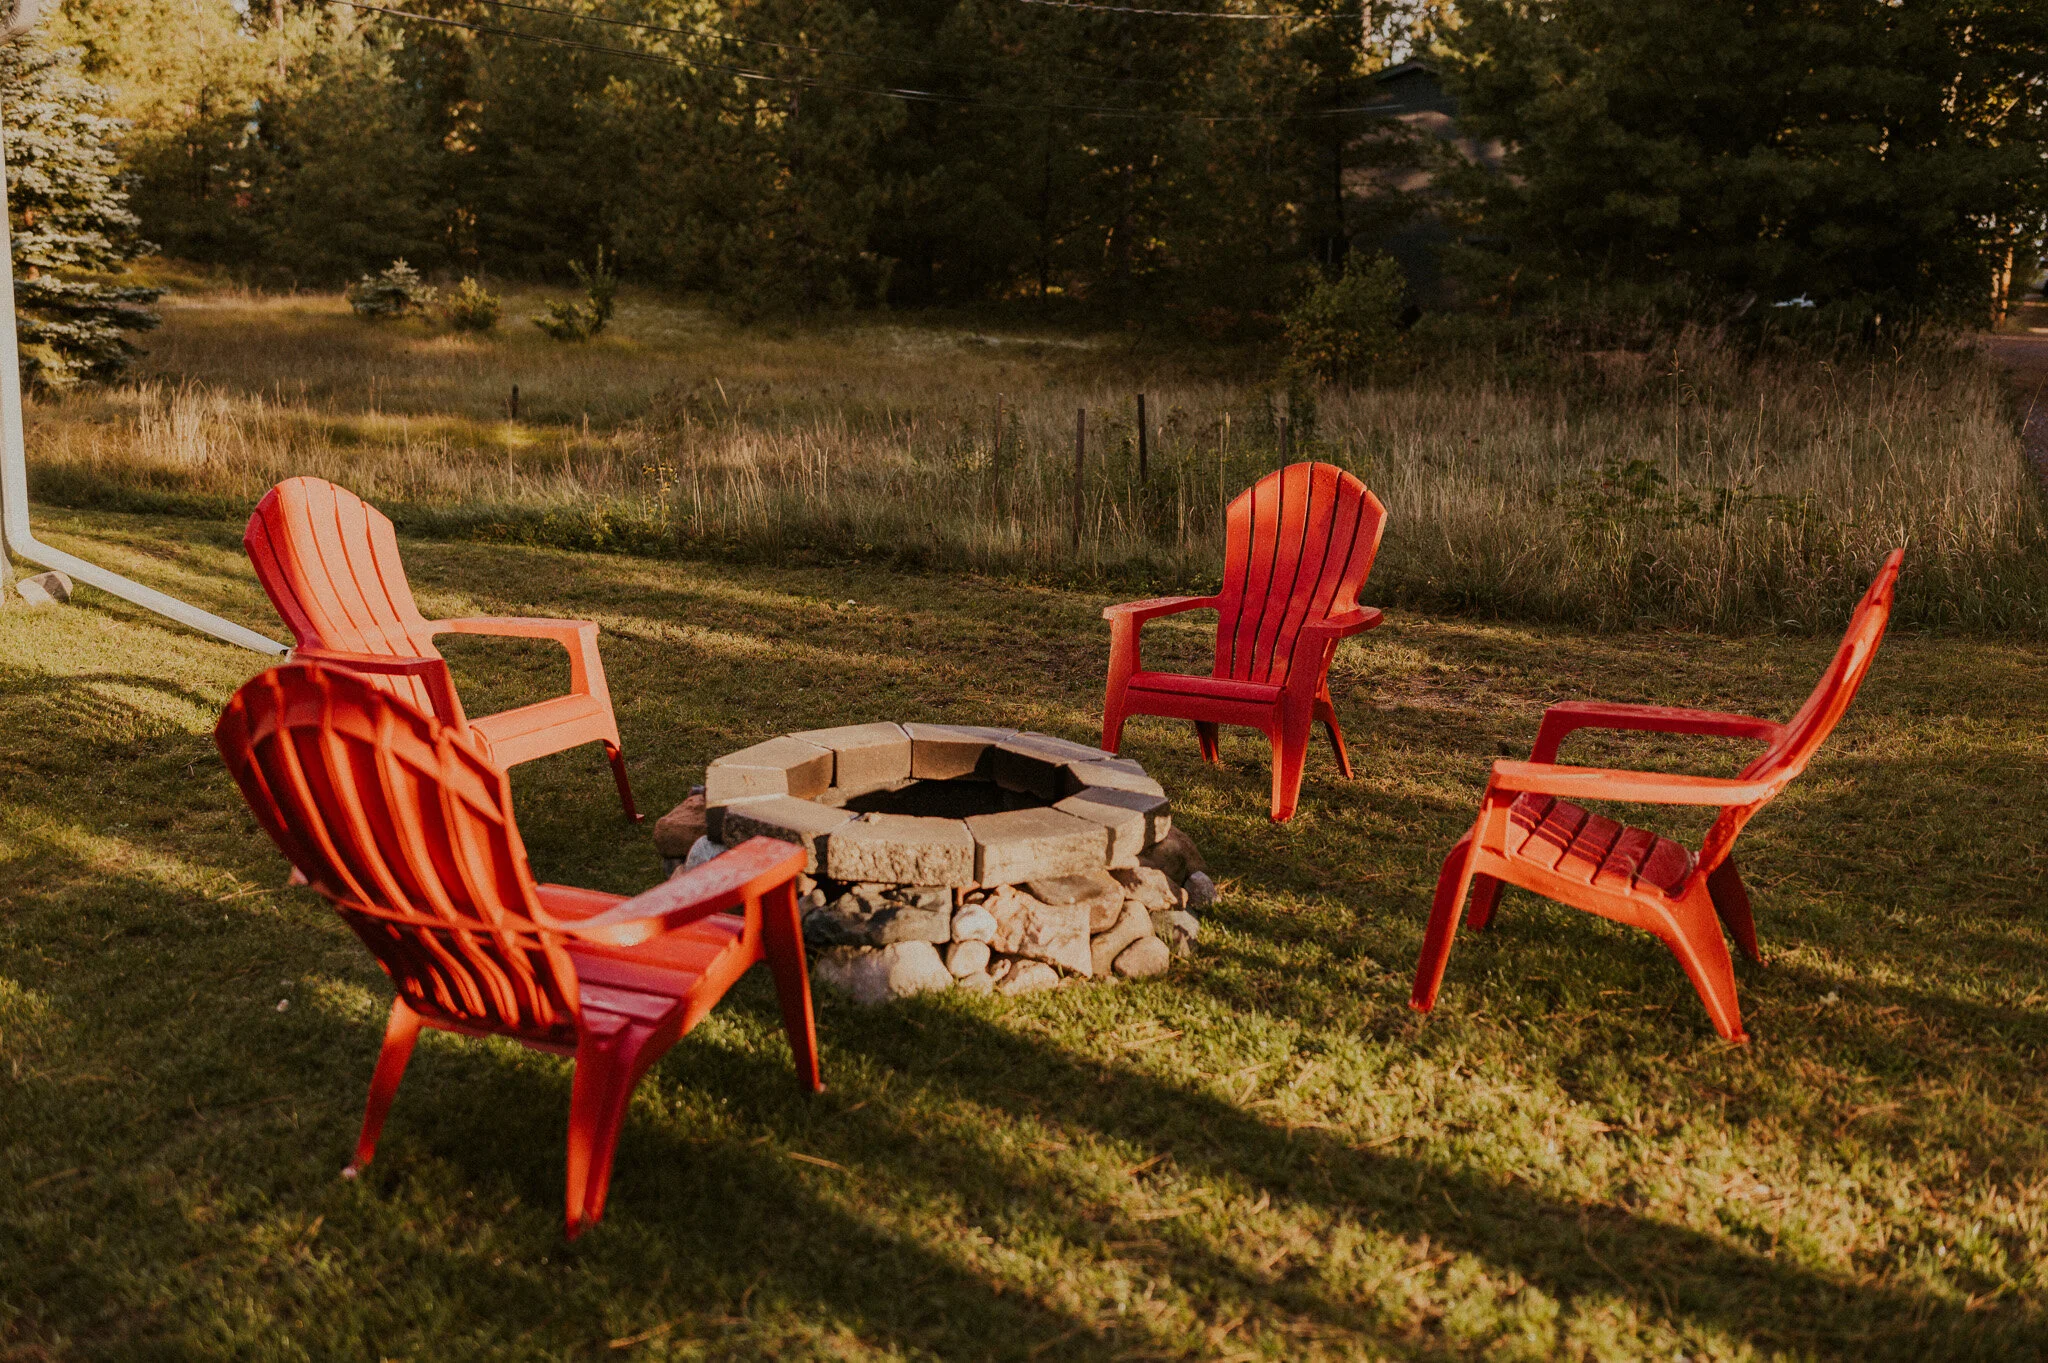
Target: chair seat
{"x": 1213, "y": 688}
{"x": 1565, "y": 838}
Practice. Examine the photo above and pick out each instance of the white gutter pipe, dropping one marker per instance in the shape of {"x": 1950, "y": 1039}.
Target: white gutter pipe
{"x": 15, "y": 532}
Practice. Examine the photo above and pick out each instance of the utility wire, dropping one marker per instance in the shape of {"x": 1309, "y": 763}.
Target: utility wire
{"x": 1175, "y": 13}
{"x": 800, "y": 47}
{"x": 811, "y": 82}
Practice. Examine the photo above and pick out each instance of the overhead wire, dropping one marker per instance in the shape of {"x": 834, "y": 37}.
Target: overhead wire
{"x": 1173, "y": 13}
{"x": 900, "y": 94}
{"x": 724, "y": 37}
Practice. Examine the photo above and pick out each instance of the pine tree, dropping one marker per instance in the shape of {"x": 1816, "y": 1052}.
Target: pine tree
{"x": 69, "y": 217}
{"x": 1882, "y": 159}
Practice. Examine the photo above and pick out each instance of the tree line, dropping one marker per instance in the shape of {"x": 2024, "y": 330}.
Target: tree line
{"x": 790, "y": 156}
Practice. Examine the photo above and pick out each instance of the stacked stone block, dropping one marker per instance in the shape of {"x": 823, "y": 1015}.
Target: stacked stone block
{"x": 1077, "y": 873}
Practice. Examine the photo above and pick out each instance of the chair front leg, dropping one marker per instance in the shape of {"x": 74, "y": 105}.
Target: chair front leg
{"x": 1288, "y": 729}
{"x": 617, "y": 758}
{"x": 612, "y": 1052}
{"x": 1731, "y": 902}
{"x": 1692, "y": 929}
{"x": 401, "y": 1031}
{"x": 1123, "y": 662}
{"x": 1485, "y": 902}
{"x": 782, "y": 941}
{"x": 1289, "y": 736}
{"x": 1326, "y": 711}
{"x": 1452, "y": 883}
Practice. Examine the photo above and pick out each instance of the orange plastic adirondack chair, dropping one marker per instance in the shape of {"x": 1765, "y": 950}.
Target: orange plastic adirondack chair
{"x": 1529, "y": 834}
{"x": 408, "y": 831}
{"x": 329, "y": 562}
{"x": 1301, "y": 542}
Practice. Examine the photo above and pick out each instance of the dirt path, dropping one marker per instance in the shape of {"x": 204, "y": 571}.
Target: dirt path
{"x": 2026, "y": 363}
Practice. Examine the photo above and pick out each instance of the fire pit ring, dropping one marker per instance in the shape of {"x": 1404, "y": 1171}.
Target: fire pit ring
{"x": 948, "y": 855}
{"x": 938, "y": 804}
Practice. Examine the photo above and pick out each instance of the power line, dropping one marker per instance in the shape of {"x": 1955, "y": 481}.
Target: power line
{"x": 903, "y": 95}
{"x": 631, "y": 54}
{"x": 1175, "y": 13}
{"x": 799, "y": 47}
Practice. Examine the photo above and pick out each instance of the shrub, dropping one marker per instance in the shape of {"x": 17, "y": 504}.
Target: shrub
{"x": 472, "y": 307}
{"x": 394, "y": 293}
{"x": 1347, "y": 326}
{"x": 581, "y": 321}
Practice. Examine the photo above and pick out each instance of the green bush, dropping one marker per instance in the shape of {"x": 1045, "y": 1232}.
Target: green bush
{"x": 1347, "y": 326}
{"x": 472, "y": 307}
{"x": 394, "y": 293}
{"x": 581, "y": 321}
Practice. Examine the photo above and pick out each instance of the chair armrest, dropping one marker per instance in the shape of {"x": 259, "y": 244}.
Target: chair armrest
{"x": 1344, "y": 624}
{"x": 578, "y": 637}
{"x": 431, "y": 672}
{"x": 382, "y": 663}
{"x": 1127, "y": 623}
{"x": 742, "y": 875}
{"x": 517, "y": 627}
{"x": 1315, "y": 646}
{"x": 1636, "y": 787}
{"x": 1562, "y": 720}
{"x": 1138, "y": 612}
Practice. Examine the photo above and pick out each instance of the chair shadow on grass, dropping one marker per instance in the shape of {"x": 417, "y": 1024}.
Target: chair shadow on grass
{"x": 71, "y": 704}
{"x": 1568, "y": 1248}
{"x": 724, "y": 1214}
{"x": 730, "y": 1213}
{"x": 701, "y": 1224}
{"x": 1565, "y": 1247}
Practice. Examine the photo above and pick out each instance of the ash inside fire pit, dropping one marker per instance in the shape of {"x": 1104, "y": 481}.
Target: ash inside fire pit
{"x": 948, "y": 856}
{"x": 934, "y": 800}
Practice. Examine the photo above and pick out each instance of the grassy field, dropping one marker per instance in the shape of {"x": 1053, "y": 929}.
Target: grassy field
{"x": 1671, "y": 484}
{"x": 1264, "y": 1155}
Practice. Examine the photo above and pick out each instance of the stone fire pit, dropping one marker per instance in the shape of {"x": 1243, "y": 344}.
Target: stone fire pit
{"x": 944, "y": 856}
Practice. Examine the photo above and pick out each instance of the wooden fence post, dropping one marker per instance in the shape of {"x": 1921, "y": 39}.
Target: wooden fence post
{"x": 515, "y": 402}
{"x": 1141, "y": 438}
{"x": 1080, "y": 459}
{"x": 995, "y": 465}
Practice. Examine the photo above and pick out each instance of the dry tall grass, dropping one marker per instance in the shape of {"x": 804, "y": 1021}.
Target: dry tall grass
{"x": 1683, "y": 486}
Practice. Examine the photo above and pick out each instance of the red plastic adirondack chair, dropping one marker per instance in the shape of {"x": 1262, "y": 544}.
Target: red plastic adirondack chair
{"x": 408, "y": 831}
{"x": 1529, "y": 834}
{"x": 1301, "y": 542}
{"x": 329, "y": 562}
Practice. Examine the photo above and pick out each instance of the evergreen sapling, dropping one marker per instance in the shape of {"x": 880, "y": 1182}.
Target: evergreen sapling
{"x": 581, "y": 321}
{"x": 70, "y": 222}
{"x": 394, "y": 292}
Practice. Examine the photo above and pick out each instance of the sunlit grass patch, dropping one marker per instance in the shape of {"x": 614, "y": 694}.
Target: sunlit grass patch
{"x": 1263, "y": 1155}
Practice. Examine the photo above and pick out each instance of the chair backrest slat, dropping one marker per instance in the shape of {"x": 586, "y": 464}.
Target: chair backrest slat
{"x": 1808, "y": 729}
{"x": 1802, "y": 736}
{"x": 1301, "y": 542}
{"x": 329, "y": 562}
{"x": 409, "y": 833}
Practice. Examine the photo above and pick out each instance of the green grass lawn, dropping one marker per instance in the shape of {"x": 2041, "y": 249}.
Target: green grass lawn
{"x": 1263, "y": 1155}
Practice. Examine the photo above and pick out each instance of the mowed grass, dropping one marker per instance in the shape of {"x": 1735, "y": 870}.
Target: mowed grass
{"x": 1264, "y": 1155}
{"x": 1678, "y": 483}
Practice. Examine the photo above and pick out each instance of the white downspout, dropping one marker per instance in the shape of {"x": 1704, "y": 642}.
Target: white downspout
{"x": 15, "y": 533}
